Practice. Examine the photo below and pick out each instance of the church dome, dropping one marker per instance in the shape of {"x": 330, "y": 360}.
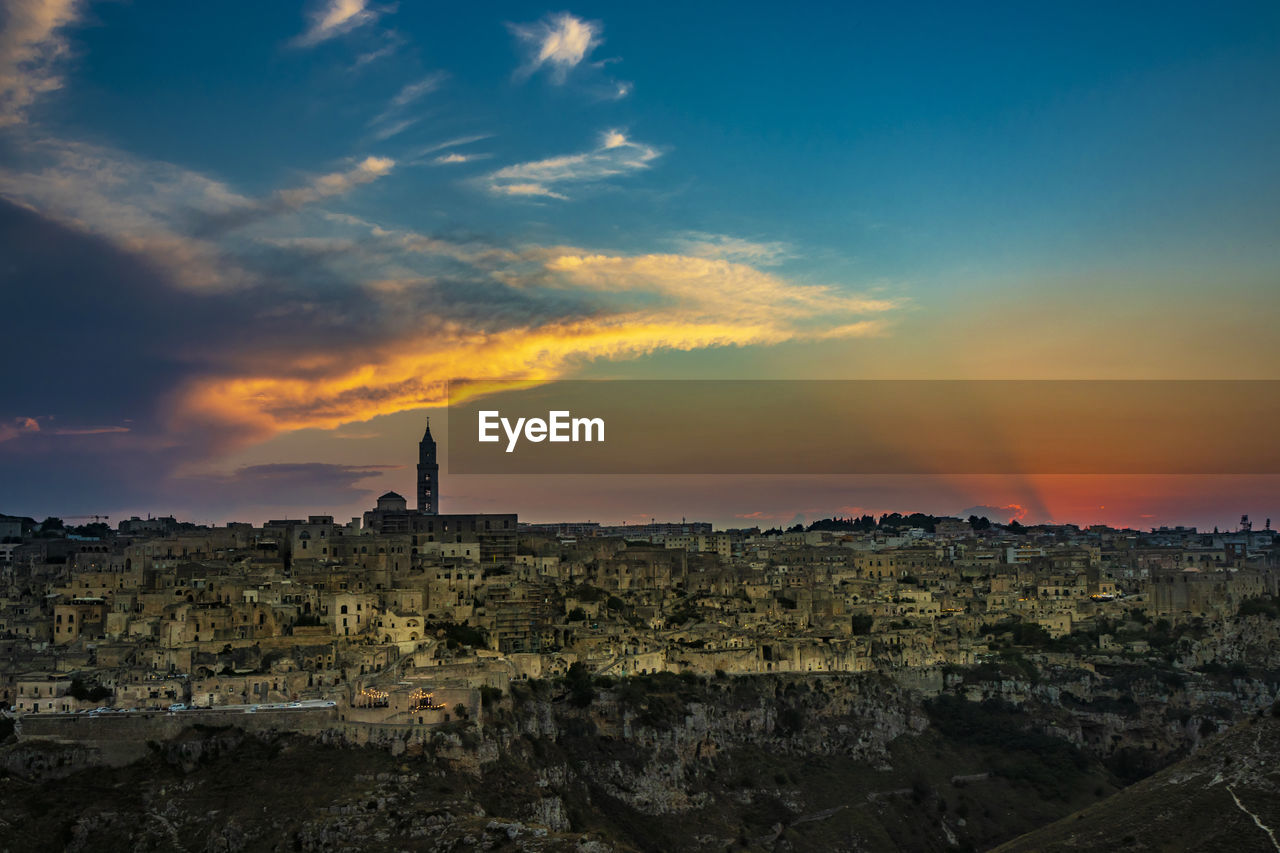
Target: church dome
{"x": 393, "y": 502}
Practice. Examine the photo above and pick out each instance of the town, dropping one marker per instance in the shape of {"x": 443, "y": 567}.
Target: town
{"x": 411, "y": 618}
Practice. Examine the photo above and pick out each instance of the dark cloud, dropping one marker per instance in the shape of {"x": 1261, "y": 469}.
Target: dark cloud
{"x": 309, "y": 484}
{"x": 95, "y": 334}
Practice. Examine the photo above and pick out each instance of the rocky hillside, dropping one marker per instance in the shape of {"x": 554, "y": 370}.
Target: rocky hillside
{"x": 654, "y": 763}
{"x": 1223, "y": 798}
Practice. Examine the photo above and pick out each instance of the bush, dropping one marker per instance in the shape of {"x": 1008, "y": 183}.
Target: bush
{"x": 1263, "y": 606}
{"x": 461, "y": 635}
{"x": 581, "y": 690}
{"x": 1047, "y": 763}
{"x": 80, "y": 691}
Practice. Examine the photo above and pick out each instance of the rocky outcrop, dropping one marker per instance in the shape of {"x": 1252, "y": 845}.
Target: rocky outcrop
{"x": 840, "y": 761}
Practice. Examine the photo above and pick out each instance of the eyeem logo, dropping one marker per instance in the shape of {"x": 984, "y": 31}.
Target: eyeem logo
{"x": 559, "y": 426}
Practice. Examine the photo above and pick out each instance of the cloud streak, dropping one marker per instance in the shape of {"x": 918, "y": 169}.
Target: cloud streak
{"x": 703, "y": 245}
{"x": 334, "y": 18}
{"x": 393, "y": 119}
{"x": 177, "y": 218}
{"x": 32, "y": 47}
{"x": 615, "y": 155}
{"x": 337, "y": 183}
{"x": 623, "y": 307}
{"x": 456, "y": 159}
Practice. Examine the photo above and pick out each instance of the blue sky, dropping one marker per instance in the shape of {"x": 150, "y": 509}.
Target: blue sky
{"x": 276, "y": 225}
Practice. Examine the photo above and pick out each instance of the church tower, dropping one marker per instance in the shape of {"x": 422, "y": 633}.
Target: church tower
{"x": 428, "y": 474}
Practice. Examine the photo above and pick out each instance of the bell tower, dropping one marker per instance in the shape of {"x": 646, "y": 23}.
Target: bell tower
{"x": 428, "y": 475}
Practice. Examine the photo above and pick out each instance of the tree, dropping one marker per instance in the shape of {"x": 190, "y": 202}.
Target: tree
{"x": 581, "y": 691}
{"x": 977, "y": 523}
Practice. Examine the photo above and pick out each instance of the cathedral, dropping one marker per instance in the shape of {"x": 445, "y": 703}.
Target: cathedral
{"x": 428, "y": 475}
{"x": 487, "y": 538}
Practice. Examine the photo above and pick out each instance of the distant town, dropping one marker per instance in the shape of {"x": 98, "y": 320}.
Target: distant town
{"x": 411, "y": 617}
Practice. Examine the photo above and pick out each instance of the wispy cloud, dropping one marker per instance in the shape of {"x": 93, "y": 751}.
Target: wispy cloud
{"x": 419, "y": 155}
{"x": 411, "y": 92}
{"x": 104, "y": 430}
{"x": 708, "y": 288}
{"x": 559, "y": 44}
{"x": 333, "y": 18}
{"x": 704, "y": 245}
{"x": 392, "y": 42}
{"x": 32, "y": 47}
{"x": 454, "y": 158}
{"x": 134, "y": 203}
{"x": 337, "y": 183}
{"x": 393, "y": 119}
{"x": 615, "y": 155}
{"x": 175, "y": 217}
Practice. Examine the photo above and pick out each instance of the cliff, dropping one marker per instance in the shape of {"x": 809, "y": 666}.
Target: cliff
{"x": 662, "y": 763}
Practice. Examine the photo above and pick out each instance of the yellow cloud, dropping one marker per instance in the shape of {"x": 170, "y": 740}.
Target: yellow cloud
{"x": 663, "y": 302}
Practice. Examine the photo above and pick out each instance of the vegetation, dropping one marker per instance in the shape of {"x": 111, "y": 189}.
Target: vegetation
{"x": 85, "y": 693}
{"x": 581, "y": 690}
{"x": 889, "y": 522}
{"x": 1049, "y": 764}
{"x": 862, "y": 624}
{"x": 456, "y": 635}
{"x": 1261, "y": 606}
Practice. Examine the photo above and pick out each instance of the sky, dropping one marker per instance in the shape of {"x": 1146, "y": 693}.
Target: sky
{"x": 243, "y": 246}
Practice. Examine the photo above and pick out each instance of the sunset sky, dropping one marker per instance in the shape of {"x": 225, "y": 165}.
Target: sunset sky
{"x": 243, "y": 246}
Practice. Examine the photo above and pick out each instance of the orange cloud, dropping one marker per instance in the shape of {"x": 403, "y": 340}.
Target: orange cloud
{"x": 651, "y": 302}
{"x": 257, "y": 406}
{"x": 18, "y": 426}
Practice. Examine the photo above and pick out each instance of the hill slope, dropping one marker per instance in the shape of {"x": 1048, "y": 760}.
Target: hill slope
{"x": 1222, "y": 798}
